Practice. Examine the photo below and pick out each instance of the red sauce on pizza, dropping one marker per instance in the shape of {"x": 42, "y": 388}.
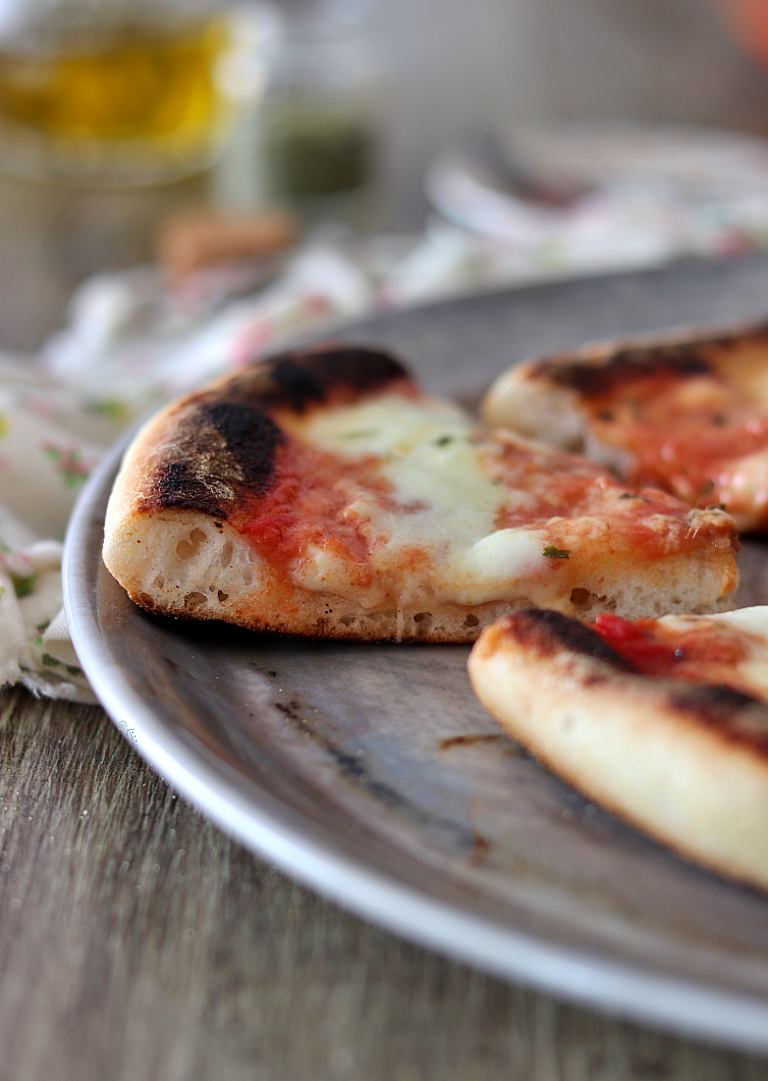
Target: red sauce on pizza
{"x": 306, "y": 505}
{"x": 656, "y": 649}
{"x": 309, "y": 499}
{"x": 562, "y": 490}
{"x": 683, "y": 435}
{"x": 650, "y": 523}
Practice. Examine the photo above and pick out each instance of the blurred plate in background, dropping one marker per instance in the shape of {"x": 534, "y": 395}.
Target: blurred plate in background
{"x": 639, "y": 195}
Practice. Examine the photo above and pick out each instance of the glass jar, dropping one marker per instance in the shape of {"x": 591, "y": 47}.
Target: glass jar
{"x": 321, "y": 119}
{"x": 125, "y": 91}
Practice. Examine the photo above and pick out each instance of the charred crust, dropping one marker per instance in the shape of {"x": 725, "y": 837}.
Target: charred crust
{"x": 548, "y": 630}
{"x": 735, "y": 339}
{"x": 711, "y": 700}
{"x": 624, "y": 367}
{"x": 178, "y": 486}
{"x": 226, "y": 444}
{"x": 736, "y": 717}
{"x": 605, "y": 374}
{"x": 305, "y": 378}
{"x": 250, "y": 437}
{"x": 221, "y": 450}
{"x": 296, "y": 385}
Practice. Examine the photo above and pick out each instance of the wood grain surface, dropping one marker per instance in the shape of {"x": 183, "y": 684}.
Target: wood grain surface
{"x": 138, "y": 942}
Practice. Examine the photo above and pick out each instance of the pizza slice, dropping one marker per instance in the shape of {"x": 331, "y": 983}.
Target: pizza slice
{"x": 663, "y": 722}
{"x": 323, "y": 493}
{"x": 688, "y": 414}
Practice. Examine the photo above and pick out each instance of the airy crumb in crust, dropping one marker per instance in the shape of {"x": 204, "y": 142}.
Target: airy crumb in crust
{"x": 184, "y": 537}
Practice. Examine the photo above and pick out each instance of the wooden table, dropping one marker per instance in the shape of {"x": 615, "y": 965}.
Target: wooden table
{"x": 138, "y": 942}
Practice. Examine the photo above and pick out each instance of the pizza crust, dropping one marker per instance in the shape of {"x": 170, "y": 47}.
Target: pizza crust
{"x": 188, "y": 561}
{"x": 183, "y": 564}
{"x": 685, "y": 763}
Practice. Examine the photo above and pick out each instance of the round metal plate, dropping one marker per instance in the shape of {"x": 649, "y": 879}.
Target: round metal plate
{"x": 371, "y": 773}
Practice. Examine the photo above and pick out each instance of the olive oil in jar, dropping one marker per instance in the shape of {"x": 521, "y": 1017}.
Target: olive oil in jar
{"x": 132, "y": 83}
{"x": 119, "y": 93}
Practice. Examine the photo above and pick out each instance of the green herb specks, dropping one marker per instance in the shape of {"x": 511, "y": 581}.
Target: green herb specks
{"x": 556, "y": 553}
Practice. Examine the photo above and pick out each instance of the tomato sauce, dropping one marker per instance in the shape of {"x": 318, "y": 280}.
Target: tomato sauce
{"x": 682, "y": 436}
{"x": 564, "y": 489}
{"x": 305, "y": 506}
{"x": 657, "y": 650}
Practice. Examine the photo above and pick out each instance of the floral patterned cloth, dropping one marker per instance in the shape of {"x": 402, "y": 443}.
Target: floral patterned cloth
{"x": 50, "y": 437}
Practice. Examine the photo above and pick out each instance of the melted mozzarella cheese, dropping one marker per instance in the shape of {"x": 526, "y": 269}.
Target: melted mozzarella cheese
{"x": 446, "y": 504}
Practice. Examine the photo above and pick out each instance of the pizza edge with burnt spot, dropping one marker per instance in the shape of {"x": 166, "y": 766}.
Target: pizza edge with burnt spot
{"x": 683, "y": 760}
{"x": 323, "y": 493}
